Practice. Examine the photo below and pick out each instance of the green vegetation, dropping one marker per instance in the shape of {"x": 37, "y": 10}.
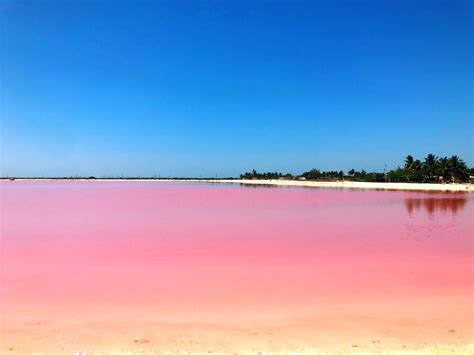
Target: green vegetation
{"x": 265, "y": 176}
{"x": 316, "y": 174}
{"x": 432, "y": 169}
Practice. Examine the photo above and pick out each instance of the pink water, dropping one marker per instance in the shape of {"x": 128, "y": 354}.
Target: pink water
{"x": 232, "y": 256}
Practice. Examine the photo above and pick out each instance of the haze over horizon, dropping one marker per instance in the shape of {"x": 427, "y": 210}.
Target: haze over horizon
{"x": 211, "y": 87}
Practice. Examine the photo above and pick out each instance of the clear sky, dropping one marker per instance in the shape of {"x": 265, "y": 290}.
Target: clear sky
{"x": 190, "y": 88}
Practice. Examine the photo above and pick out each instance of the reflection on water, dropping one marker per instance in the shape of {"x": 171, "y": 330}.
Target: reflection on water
{"x": 270, "y": 186}
{"x": 436, "y": 204}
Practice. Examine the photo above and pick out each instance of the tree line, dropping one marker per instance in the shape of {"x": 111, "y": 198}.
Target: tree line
{"x": 432, "y": 169}
{"x": 265, "y": 176}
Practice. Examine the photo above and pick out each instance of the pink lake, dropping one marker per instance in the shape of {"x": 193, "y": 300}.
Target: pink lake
{"x": 192, "y": 267}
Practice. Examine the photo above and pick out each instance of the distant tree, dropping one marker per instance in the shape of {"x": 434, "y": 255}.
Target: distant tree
{"x": 444, "y": 168}
{"x": 458, "y": 169}
{"x": 266, "y": 176}
{"x": 313, "y": 174}
{"x": 430, "y": 167}
{"x": 416, "y": 171}
{"x": 397, "y": 175}
{"x": 409, "y": 162}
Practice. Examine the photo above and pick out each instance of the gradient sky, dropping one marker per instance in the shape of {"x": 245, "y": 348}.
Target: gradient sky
{"x": 181, "y": 88}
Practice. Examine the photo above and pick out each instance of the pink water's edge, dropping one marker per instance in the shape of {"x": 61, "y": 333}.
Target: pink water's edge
{"x": 271, "y": 268}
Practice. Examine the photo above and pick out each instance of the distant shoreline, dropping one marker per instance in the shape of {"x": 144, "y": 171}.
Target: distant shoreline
{"x": 363, "y": 185}
{"x": 289, "y": 183}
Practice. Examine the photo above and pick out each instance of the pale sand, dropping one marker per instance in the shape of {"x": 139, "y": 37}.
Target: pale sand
{"x": 149, "y": 337}
{"x": 415, "y": 329}
{"x": 302, "y": 183}
{"x": 356, "y": 185}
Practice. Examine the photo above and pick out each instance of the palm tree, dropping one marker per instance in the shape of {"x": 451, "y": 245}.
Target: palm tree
{"x": 444, "y": 168}
{"x": 416, "y": 171}
{"x": 458, "y": 169}
{"x": 408, "y": 168}
{"x": 408, "y": 162}
{"x": 430, "y": 166}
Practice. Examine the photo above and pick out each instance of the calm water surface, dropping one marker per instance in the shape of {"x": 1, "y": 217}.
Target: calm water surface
{"x": 226, "y": 254}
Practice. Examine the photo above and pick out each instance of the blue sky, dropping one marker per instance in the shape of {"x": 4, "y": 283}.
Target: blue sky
{"x": 198, "y": 88}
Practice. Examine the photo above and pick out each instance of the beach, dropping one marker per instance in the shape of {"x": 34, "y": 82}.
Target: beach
{"x": 357, "y": 185}
{"x": 158, "y": 338}
{"x": 289, "y": 183}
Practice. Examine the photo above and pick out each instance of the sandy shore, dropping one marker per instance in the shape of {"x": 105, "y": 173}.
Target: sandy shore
{"x": 301, "y": 183}
{"x": 355, "y": 185}
{"x": 158, "y": 338}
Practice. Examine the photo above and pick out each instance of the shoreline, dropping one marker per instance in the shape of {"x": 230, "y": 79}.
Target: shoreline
{"x": 291, "y": 183}
{"x": 359, "y": 185}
